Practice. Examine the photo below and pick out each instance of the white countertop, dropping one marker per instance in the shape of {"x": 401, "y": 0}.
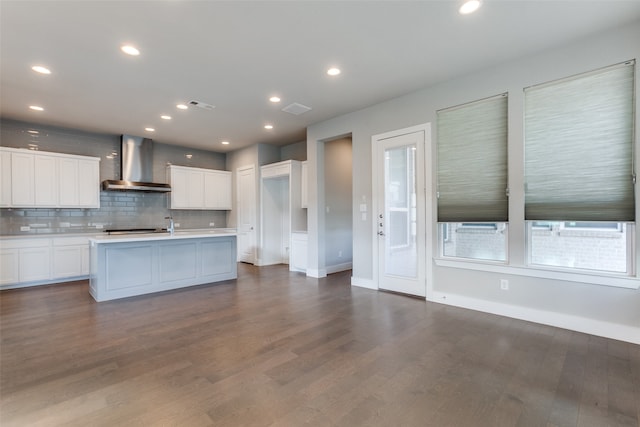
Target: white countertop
{"x": 127, "y": 238}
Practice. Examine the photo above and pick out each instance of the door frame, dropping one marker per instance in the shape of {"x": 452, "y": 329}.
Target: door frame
{"x": 256, "y": 226}
{"x": 426, "y": 176}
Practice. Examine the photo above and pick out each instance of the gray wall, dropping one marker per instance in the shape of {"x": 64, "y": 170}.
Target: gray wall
{"x": 555, "y": 297}
{"x": 338, "y": 196}
{"x": 296, "y": 151}
{"x": 117, "y": 209}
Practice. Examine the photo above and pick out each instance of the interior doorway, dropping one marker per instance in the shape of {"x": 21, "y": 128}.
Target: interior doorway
{"x": 338, "y": 199}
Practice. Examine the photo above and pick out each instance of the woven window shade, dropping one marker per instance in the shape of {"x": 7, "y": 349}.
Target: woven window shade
{"x": 472, "y": 162}
{"x": 579, "y": 147}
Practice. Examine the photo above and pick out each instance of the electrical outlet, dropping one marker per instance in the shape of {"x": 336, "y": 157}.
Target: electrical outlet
{"x": 176, "y": 225}
{"x": 504, "y": 284}
{"x": 25, "y": 228}
{"x": 212, "y": 224}
{"x": 339, "y": 254}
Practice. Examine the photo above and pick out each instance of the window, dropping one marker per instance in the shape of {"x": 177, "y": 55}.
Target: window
{"x": 579, "y": 176}
{"x": 594, "y": 246}
{"x": 473, "y": 205}
{"x": 480, "y": 241}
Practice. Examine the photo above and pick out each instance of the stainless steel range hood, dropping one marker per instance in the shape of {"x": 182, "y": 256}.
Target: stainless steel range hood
{"x": 137, "y": 167}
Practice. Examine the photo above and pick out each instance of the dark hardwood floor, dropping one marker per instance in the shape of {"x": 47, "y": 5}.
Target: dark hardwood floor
{"x": 277, "y": 348}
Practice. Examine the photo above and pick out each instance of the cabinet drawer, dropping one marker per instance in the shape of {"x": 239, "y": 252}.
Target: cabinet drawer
{"x": 24, "y": 243}
{"x": 70, "y": 241}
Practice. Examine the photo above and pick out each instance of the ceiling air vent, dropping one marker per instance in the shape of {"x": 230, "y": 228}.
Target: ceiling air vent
{"x": 296, "y": 109}
{"x": 202, "y": 105}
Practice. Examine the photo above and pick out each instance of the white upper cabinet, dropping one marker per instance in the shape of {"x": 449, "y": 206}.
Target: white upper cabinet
{"x": 44, "y": 179}
{"x": 22, "y": 180}
{"x": 217, "y": 194}
{"x": 195, "y": 188}
{"x": 88, "y": 183}
{"x": 5, "y": 179}
{"x": 68, "y": 179}
{"x": 49, "y": 180}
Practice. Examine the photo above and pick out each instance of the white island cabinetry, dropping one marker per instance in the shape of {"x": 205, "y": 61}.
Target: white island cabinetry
{"x": 195, "y": 188}
{"x": 136, "y": 265}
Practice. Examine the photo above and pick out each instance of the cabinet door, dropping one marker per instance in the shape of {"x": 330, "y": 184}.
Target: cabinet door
{"x": 195, "y": 189}
{"x": 67, "y": 261}
{"x": 88, "y": 184}
{"x": 9, "y": 266}
{"x": 34, "y": 264}
{"x": 217, "y": 190}
{"x": 45, "y": 180}
{"x": 179, "y": 185}
{"x": 68, "y": 180}
{"x": 5, "y": 179}
{"x": 298, "y": 252}
{"x": 22, "y": 174}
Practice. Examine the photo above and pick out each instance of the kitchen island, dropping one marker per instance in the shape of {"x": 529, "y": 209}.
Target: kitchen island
{"x": 128, "y": 265}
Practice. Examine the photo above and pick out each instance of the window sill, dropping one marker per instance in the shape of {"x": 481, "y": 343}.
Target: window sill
{"x": 627, "y": 282}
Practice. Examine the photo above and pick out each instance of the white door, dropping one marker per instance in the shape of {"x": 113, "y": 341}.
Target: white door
{"x": 399, "y": 182}
{"x": 246, "y": 201}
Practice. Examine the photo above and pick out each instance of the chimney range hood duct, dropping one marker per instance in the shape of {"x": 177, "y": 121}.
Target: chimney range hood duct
{"x": 137, "y": 167}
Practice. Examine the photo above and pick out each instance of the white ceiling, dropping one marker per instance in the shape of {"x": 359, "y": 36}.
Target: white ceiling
{"x": 235, "y": 54}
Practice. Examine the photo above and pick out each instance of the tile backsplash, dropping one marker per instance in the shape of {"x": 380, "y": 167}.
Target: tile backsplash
{"x": 117, "y": 210}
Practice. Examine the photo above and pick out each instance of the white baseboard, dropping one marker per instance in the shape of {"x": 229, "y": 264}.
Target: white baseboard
{"x": 317, "y": 274}
{"x": 339, "y": 267}
{"x": 363, "y": 283}
{"x": 574, "y": 323}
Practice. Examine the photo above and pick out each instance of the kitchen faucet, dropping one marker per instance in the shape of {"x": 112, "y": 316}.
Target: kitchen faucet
{"x": 171, "y": 227}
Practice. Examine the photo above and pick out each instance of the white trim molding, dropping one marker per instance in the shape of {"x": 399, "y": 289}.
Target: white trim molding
{"x": 363, "y": 283}
{"x": 559, "y": 320}
{"x": 556, "y": 274}
{"x": 316, "y": 273}
{"x": 336, "y": 268}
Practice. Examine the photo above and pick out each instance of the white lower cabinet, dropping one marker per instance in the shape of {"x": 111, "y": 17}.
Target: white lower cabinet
{"x": 25, "y": 260}
{"x": 35, "y": 264}
{"x": 298, "y": 260}
{"x": 9, "y": 266}
{"x": 43, "y": 260}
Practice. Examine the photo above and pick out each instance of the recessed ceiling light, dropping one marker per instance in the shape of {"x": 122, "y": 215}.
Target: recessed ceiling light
{"x": 469, "y": 6}
{"x": 333, "y": 71}
{"x": 150, "y": 129}
{"x": 182, "y": 106}
{"x": 268, "y": 126}
{"x": 36, "y": 108}
{"x": 188, "y": 156}
{"x": 40, "y": 69}
{"x": 274, "y": 99}
{"x": 224, "y": 142}
{"x": 165, "y": 117}
{"x": 130, "y": 50}
{"x": 33, "y": 132}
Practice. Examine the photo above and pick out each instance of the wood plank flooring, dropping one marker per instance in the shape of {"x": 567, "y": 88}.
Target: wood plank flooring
{"x": 275, "y": 348}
